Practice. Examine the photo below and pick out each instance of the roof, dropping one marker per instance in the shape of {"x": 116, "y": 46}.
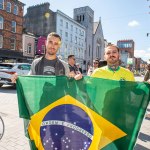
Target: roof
{"x": 95, "y": 25}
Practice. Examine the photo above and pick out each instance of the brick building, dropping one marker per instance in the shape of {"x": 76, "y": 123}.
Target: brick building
{"x": 11, "y": 26}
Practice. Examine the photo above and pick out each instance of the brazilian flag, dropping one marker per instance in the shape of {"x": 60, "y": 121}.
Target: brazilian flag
{"x": 88, "y": 114}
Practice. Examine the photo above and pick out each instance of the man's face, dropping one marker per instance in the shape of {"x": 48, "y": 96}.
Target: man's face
{"x": 72, "y": 60}
{"x": 52, "y": 45}
{"x": 111, "y": 55}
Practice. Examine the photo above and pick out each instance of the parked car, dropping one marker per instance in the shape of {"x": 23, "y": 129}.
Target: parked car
{"x": 8, "y": 69}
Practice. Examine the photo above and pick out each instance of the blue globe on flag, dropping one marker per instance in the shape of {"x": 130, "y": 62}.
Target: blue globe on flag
{"x": 66, "y": 127}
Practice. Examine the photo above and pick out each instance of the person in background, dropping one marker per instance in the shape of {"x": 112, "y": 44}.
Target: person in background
{"x": 95, "y": 66}
{"x": 112, "y": 70}
{"x": 72, "y": 67}
{"x": 147, "y": 79}
{"x": 147, "y": 74}
{"x": 78, "y": 66}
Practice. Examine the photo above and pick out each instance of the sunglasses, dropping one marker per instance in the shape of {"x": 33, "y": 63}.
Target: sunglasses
{"x": 95, "y": 63}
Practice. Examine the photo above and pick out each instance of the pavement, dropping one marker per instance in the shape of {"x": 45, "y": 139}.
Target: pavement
{"x": 14, "y": 139}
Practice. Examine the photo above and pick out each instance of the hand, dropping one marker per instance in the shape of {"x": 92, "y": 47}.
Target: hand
{"x": 148, "y": 81}
{"x": 72, "y": 74}
{"x": 78, "y": 76}
{"x": 14, "y": 78}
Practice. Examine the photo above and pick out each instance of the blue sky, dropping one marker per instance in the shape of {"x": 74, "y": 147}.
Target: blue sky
{"x": 128, "y": 19}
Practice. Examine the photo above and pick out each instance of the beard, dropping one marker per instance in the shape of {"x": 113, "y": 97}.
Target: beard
{"x": 113, "y": 60}
{"x": 51, "y": 51}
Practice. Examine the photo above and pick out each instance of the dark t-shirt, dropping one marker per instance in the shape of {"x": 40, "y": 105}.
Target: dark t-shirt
{"x": 49, "y": 67}
{"x": 73, "y": 68}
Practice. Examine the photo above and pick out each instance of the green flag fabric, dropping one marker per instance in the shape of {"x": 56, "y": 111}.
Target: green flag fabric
{"x": 89, "y": 114}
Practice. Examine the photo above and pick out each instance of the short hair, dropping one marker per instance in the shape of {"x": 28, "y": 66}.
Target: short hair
{"x": 55, "y": 35}
{"x": 70, "y": 56}
{"x": 96, "y": 59}
{"x": 113, "y": 45}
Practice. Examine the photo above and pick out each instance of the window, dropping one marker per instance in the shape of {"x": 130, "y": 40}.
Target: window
{"x": 61, "y": 33}
{"x": 70, "y": 37}
{"x": 12, "y": 43}
{"x": 16, "y": 10}
{"x": 71, "y": 27}
{"x": 43, "y": 49}
{"x": 75, "y": 39}
{"x": 76, "y": 30}
{"x": 13, "y": 25}
{"x": 29, "y": 48}
{"x": 8, "y": 8}
{"x": 1, "y": 22}
{"x": 1, "y": 41}
{"x": 89, "y": 50}
{"x": 66, "y": 35}
{"x": 61, "y": 22}
{"x": 66, "y": 25}
{"x": 1, "y": 4}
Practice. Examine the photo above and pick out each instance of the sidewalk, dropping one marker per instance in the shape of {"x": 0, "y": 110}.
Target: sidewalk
{"x": 143, "y": 141}
{"x": 14, "y": 138}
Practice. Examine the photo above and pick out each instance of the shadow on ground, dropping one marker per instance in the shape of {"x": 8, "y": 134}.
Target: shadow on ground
{"x": 140, "y": 147}
{"x": 8, "y": 89}
{"x": 144, "y": 137}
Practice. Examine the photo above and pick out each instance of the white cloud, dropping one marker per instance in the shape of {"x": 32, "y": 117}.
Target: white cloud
{"x": 133, "y": 23}
{"x": 145, "y": 55}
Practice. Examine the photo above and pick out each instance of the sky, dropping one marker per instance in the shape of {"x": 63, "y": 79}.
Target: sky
{"x": 121, "y": 20}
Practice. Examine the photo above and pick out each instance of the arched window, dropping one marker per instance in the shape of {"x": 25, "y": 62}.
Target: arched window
{"x": 1, "y": 22}
{"x": 1, "y": 41}
{"x": 13, "y": 26}
{"x": 16, "y": 10}
{"x": 8, "y": 8}
{"x": 1, "y": 4}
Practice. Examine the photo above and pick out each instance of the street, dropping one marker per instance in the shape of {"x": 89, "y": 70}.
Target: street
{"x": 14, "y": 139}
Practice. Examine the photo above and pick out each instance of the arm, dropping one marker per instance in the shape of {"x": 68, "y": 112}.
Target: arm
{"x": 146, "y": 77}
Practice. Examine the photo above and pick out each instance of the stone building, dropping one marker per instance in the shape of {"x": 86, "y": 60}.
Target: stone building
{"x": 40, "y": 20}
{"x": 98, "y": 41}
{"x": 85, "y": 16}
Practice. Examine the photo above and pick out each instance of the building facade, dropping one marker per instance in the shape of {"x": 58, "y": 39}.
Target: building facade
{"x": 11, "y": 26}
{"x": 73, "y": 38}
{"x": 85, "y": 16}
{"x": 98, "y": 41}
{"x": 28, "y": 41}
{"x": 126, "y": 48}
